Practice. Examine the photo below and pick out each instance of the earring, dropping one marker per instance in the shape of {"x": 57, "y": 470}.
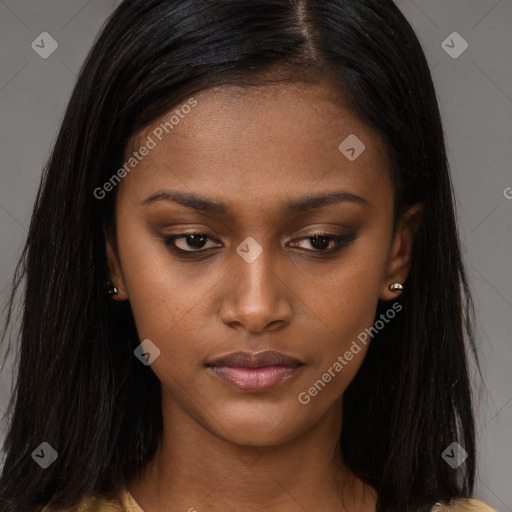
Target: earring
{"x": 111, "y": 289}
{"x": 396, "y": 287}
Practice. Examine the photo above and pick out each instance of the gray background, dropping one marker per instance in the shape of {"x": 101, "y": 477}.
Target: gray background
{"x": 475, "y": 95}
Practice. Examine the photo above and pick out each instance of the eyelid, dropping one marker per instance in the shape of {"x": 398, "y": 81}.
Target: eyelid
{"x": 341, "y": 241}
{"x": 170, "y": 239}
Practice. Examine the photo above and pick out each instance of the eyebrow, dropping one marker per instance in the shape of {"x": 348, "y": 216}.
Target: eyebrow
{"x": 205, "y": 205}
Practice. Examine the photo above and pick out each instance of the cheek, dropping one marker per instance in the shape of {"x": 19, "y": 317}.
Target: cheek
{"x": 339, "y": 353}
{"x": 346, "y": 297}
{"x": 343, "y": 319}
{"x": 171, "y": 303}
{"x": 158, "y": 290}
{"x": 344, "y": 303}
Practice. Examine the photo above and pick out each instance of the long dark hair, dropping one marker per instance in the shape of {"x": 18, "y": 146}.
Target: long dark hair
{"x": 79, "y": 387}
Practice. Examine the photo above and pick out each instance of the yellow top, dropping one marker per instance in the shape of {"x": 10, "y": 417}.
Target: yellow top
{"x": 126, "y": 503}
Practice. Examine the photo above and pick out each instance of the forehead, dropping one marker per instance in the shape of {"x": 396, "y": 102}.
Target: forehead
{"x": 266, "y": 139}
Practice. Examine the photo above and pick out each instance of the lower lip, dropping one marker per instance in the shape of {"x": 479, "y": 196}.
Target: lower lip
{"x": 254, "y": 379}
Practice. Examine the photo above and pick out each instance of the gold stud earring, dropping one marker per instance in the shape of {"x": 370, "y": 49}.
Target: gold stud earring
{"x": 396, "y": 287}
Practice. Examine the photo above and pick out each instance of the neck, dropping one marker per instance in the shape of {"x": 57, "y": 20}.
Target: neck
{"x": 196, "y": 469}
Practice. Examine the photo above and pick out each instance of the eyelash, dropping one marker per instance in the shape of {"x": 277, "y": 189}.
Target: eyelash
{"x": 341, "y": 241}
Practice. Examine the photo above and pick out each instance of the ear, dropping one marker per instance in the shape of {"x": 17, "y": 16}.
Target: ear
{"x": 401, "y": 248}
{"x": 115, "y": 273}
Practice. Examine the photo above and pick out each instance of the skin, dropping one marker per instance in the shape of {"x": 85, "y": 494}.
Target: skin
{"x": 256, "y": 149}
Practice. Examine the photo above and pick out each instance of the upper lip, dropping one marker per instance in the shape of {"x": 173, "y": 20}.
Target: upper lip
{"x": 255, "y": 359}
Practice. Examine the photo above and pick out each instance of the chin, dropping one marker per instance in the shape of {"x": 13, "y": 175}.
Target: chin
{"x": 258, "y": 426}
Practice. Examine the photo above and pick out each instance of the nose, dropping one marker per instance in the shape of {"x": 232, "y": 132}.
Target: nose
{"x": 257, "y": 298}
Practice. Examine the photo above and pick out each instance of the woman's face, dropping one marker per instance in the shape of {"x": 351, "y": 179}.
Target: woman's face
{"x": 242, "y": 168}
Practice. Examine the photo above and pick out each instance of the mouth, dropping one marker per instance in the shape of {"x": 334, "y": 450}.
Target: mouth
{"x": 255, "y": 372}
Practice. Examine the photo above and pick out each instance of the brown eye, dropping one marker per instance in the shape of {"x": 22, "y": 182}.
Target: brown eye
{"x": 190, "y": 242}
{"x": 328, "y": 243}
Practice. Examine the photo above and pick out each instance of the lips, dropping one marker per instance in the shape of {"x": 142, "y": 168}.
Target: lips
{"x": 256, "y": 360}
{"x": 255, "y": 372}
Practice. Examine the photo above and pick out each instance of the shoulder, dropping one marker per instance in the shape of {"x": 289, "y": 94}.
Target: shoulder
{"x": 125, "y": 503}
{"x": 98, "y": 503}
{"x": 462, "y": 505}
{"x": 101, "y": 504}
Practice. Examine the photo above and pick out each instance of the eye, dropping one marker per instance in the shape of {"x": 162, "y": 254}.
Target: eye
{"x": 190, "y": 242}
{"x": 195, "y": 242}
{"x": 328, "y": 243}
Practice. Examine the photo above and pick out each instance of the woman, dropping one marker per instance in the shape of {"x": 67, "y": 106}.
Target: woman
{"x": 311, "y": 355}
